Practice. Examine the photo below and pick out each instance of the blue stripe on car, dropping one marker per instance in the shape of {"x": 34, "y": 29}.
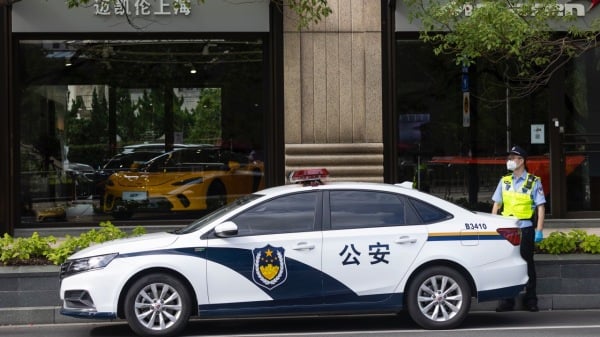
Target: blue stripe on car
{"x": 370, "y": 303}
{"x": 301, "y": 279}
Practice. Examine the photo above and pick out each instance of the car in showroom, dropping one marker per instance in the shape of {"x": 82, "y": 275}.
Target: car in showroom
{"x": 303, "y": 249}
{"x": 120, "y": 162}
{"x": 185, "y": 179}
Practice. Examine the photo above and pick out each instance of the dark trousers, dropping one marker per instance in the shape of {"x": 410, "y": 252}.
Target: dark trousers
{"x": 527, "y": 248}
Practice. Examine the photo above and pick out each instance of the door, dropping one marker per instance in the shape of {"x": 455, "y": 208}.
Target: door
{"x": 369, "y": 246}
{"x": 273, "y": 262}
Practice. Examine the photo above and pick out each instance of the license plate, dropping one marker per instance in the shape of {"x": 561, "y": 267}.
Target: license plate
{"x": 135, "y": 196}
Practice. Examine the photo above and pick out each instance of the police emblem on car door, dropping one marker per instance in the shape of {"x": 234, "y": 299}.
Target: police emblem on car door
{"x": 269, "y": 268}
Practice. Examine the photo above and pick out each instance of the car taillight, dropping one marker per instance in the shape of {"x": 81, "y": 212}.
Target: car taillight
{"x": 512, "y": 235}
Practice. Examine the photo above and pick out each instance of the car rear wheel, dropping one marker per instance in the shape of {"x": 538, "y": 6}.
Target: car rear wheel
{"x": 438, "y": 298}
{"x": 157, "y": 305}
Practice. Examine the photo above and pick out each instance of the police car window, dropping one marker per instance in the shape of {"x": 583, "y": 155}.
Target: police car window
{"x": 429, "y": 213}
{"x": 207, "y": 219}
{"x": 364, "y": 209}
{"x": 286, "y": 214}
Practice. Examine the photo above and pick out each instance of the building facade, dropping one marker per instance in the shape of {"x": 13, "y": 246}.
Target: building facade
{"x": 358, "y": 93}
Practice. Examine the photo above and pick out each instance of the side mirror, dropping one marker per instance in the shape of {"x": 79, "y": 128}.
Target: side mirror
{"x": 226, "y": 229}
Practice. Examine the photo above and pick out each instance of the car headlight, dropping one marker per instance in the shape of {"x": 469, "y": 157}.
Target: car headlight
{"x": 72, "y": 267}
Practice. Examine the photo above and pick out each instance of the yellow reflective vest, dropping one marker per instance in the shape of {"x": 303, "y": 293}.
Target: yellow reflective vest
{"x": 518, "y": 202}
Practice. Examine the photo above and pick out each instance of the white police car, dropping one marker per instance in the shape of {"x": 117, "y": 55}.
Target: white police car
{"x": 303, "y": 249}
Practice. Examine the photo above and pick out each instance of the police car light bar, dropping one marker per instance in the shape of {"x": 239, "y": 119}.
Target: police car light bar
{"x": 308, "y": 176}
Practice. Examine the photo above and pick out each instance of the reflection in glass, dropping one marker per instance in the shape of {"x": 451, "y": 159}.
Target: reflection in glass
{"x": 95, "y": 108}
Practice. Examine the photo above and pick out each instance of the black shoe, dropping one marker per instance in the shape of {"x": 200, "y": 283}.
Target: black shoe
{"x": 504, "y": 308}
{"x": 533, "y": 308}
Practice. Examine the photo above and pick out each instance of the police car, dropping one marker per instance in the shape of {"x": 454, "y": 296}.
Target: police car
{"x": 303, "y": 249}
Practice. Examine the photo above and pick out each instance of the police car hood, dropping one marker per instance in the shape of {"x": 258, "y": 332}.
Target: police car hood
{"x": 128, "y": 245}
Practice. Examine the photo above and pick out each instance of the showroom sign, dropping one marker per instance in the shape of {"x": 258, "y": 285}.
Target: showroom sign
{"x": 124, "y": 16}
{"x": 140, "y": 7}
{"x": 584, "y": 10}
{"x": 562, "y": 9}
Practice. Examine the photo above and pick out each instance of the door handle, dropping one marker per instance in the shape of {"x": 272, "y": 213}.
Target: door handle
{"x": 304, "y": 246}
{"x": 405, "y": 239}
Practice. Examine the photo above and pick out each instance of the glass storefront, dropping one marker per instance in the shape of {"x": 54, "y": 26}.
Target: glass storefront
{"x": 124, "y": 129}
{"x": 581, "y": 138}
{"x": 453, "y": 144}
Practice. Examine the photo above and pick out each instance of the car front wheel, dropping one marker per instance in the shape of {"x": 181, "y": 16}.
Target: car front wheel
{"x": 438, "y": 298}
{"x": 157, "y": 305}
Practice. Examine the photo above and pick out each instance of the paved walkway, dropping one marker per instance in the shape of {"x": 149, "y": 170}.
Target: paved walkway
{"x": 590, "y": 226}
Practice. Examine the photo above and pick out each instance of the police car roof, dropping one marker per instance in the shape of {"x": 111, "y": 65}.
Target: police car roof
{"x": 338, "y": 185}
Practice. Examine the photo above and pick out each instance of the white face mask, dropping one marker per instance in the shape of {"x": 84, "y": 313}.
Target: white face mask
{"x": 511, "y": 165}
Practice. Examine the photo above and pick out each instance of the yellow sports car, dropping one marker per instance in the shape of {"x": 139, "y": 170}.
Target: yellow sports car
{"x": 196, "y": 179}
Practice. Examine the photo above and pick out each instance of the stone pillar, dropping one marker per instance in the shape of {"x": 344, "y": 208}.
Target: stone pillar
{"x": 333, "y": 82}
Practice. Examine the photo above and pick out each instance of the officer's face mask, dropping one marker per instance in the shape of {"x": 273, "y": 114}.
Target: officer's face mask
{"x": 511, "y": 165}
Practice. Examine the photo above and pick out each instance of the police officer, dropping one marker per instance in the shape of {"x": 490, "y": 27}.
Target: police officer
{"x": 520, "y": 194}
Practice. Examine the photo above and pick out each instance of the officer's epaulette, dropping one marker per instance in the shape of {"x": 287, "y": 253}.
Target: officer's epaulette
{"x": 530, "y": 180}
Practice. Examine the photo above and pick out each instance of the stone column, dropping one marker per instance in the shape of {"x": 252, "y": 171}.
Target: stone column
{"x": 333, "y": 92}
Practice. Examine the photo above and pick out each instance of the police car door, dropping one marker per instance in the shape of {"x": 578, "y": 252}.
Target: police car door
{"x": 274, "y": 261}
{"x": 367, "y": 246}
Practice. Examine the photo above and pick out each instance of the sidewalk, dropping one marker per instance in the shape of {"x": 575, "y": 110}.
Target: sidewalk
{"x": 590, "y": 226}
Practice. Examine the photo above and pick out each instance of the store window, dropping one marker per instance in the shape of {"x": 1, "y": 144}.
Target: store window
{"x": 453, "y": 145}
{"x": 95, "y": 114}
{"x": 581, "y": 137}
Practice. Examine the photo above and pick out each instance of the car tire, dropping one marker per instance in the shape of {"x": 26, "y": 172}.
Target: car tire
{"x": 216, "y": 196}
{"x": 438, "y": 298}
{"x": 157, "y": 305}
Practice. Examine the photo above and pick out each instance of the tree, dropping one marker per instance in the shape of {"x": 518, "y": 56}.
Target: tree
{"x": 522, "y": 42}
{"x": 206, "y": 124}
{"x": 98, "y": 118}
{"x": 307, "y": 10}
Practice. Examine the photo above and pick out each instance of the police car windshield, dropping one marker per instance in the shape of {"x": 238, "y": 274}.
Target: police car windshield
{"x": 194, "y": 226}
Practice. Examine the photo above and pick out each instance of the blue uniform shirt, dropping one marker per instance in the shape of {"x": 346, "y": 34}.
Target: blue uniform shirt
{"x": 537, "y": 194}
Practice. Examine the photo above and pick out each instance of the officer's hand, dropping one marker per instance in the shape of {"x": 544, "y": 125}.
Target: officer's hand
{"x": 539, "y": 236}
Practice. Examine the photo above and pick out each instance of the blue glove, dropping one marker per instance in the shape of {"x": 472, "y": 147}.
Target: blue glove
{"x": 539, "y": 236}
